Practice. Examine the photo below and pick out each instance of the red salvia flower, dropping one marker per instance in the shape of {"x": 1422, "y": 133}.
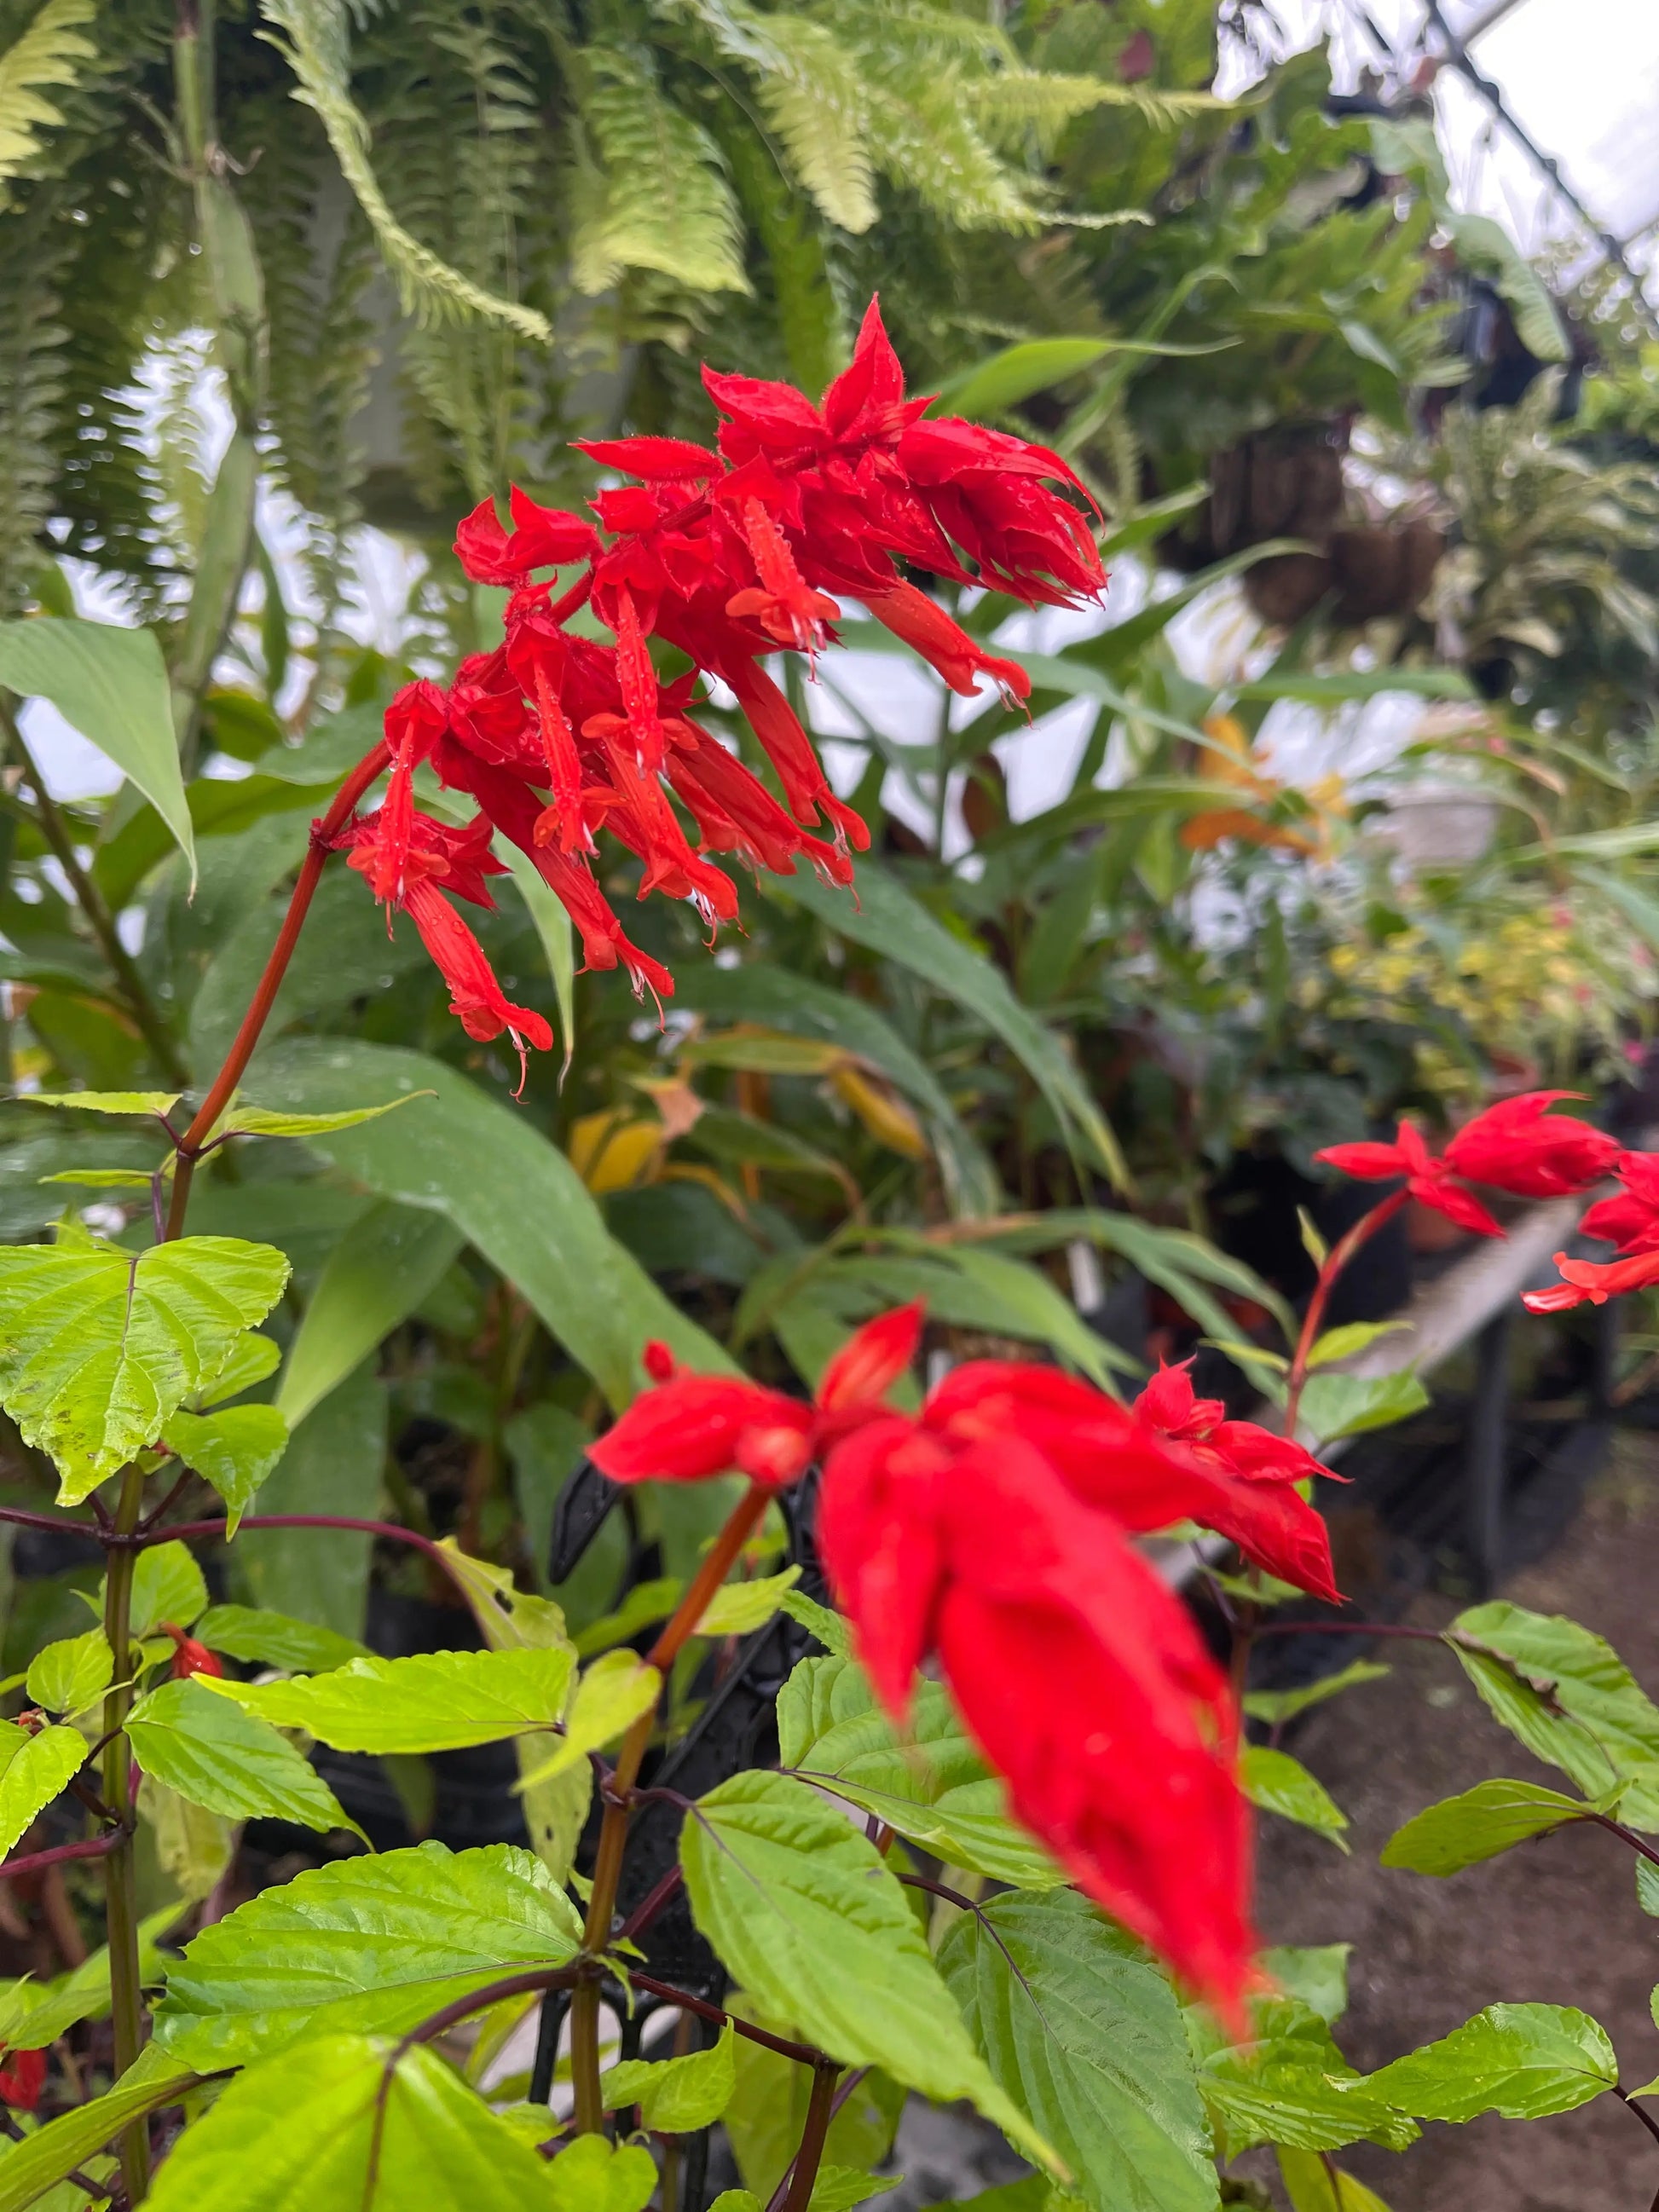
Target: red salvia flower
{"x": 1428, "y": 1180}
{"x": 993, "y": 1531}
{"x": 22, "y": 2078}
{"x": 1630, "y": 1221}
{"x": 189, "y": 1656}
{"x": 1520, "y": 1147}
{"x": 727, "y": 556}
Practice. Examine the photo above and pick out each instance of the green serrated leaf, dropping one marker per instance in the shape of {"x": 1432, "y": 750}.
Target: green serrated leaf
{"x": 435, "y": 1701}
{"x": 1278, "y": 1706}
{"x": 610, "y": 1698}
{"x": 68, "y": 1677}
{"x": 167, "y": 1585}
{"x": 378, "y": 1944}
{"x": 1521, "y": 2061}
{"x": 676, "y": 2095}
{"x": 1083, "y": 2031}
{"x": 276, "y": 1639}
{"x": 250, "y": 1359}
{"x": 99, "y": 1347}
{"x": 739, "y": 1608}
{"x": 809, "y": 1916}
{"x": 36, "y": 1768}
{"x": 1293, "y": 2087}
{"x": 830, "y": 1630}
{"x": 194, "y": 1846}
{"x": 932, "y": 1786}
{"x": 1275, "y": 1783}
{"x": 593, "y": 2175}
{"x": 234, "y": 1450}
{"x": 227, "y": 1761}
{"x": 1478, "y": 1824}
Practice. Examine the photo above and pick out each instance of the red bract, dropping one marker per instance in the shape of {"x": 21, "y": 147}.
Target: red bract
{"x": 1631, "y": 1219}
{"x": 190, "y": 1657}
{"x": 1428, "y": 1180}
{"x": 22, "y": 2078}
{"x": 728, "y": 556}
{"x": 1517, "y": 1145}
{"x": 993, "y": 1530}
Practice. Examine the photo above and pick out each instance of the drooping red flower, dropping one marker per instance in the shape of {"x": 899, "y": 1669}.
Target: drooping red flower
{"x": 190, "y": 1656}
{"x": 1594, "y": 1281}
{"x": 1518, "y": 1145}
{"x": 22, "y": 2078}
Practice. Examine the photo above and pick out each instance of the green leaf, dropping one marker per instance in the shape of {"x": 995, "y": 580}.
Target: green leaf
{"x": 1276, "y": 1783}
{"x": 234, "y": 1450}
{"x": 1579, "y": 1706}
{"x": 646, "y": 1602}
{"x": 1647, "y": 1887}
{"x": 99, "y": 1347}
{"x": 767, "y": 2110}
{"x": 839, "y": 2188}
{"x": 890, "y": 921}
{"x": 611, "y": 1695}
{"x": 30, "y": 2169}
{"x": 146, "y": 1103}
{"x": 995, "y": 385}
{"x": 244, "y": 1121}
{"x": 1084, "y": 2032}
{"x": 435, "y": 1701}
{"x": 739, "y": 1608}
{"x": 1293, "y": 2087}
{"x": 167, "y": 1584}
{"x": 1278, "y": 1706}
{"x": 332, "y": 1465}
{"x": 1353, "y": 1336}
{"x": 37, "y": 1768}
{"x": 112, "y": 684}
{"x": 193, "y": 1846}
{"x": 68, "y": 1677}
{"x": 250, "y": 1359}
{"x": 1345, "y": 685}
{"x": 519, "y": 1202}
{"x": 676, "y": 2095}
{"x": 932, "y": 1785}
{"x": 1347, "y": 1404}
{"x": 49, "y": 50}
{"x": 591, "y": 2175}
{"x": 1521, "y": 2061}
{"x": 830, "y": 1630}
{"x": 336, "y": 2124}
{"x": 373, "y": 1943}
{"x": 1478, "y": 1824}
{"x": 276, "y": 1639}
{"x": 1313, "y": 2188}
{"x": 227, "y": 1761}
{"x": 374, "y": 1279}
{"x": 35, "y": 2014}
{"x": 1317, "y": 1974}
{"x": 808, "y": 1916}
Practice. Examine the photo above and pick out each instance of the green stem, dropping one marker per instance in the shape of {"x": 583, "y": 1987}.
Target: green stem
{"x": 120, "y": 1875}
{"x": 90, "y": 900}
{"x": 613, "y": 1829}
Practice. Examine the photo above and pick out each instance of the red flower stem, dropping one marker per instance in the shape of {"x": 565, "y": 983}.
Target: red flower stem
{"x": 613, "y": 1829}
{"x": 1313, "y": 1320}
{"x": 189, "y": 1145}
{"x": 38, "y": 1861}
{"x": 143, "y": 1538}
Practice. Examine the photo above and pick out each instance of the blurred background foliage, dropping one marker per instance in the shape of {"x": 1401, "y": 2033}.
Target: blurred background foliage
{"x": 1341, "y": 805}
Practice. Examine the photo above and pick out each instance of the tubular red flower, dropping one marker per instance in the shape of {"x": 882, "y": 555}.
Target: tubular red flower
{"x": 1430, "y": 1181}
{"x": 22, "y": 2079}
{"x": 693, "y": 1427}
{"x": 190, "y": 1657}
{"x": 1520, "y": 1147}
{"x": 1629, "y": 1219}
{"x": 944, "y": 645}
{"x": 1594, "y": 1282}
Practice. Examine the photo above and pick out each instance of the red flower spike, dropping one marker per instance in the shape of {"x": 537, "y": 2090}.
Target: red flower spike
{"x": 789, "y": 748}
{"x": 22, "y": 2078}
{"x": 562, "y": 824}
{"x": 475, "y": 996}
{"x": 1429, "y": 1180}
{"x": 1518, "y": 1145}
{"x": 880, "y": 1536}
{"x": 655, "y": 460}
{"x": 190, "y": 1657}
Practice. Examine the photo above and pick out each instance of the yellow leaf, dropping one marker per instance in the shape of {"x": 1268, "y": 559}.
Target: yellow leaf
{"x": 882, "y": 1111}
{"x": 609, "y": 1152}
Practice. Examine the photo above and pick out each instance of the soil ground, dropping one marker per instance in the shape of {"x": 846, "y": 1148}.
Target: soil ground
{"x": 1555, "y": 1921}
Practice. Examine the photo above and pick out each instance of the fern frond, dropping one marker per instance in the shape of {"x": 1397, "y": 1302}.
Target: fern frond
{"x": 50, "y": 53}
{"x": 32, "y": 268}
{"x": 923, "y": 137}
{"x": 661, "y": 200}
{"x": 312, "y": 37}
{"x": 1008, "y": 102}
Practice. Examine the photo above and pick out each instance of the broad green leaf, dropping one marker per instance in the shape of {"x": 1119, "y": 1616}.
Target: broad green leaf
{"x": 27, "y": 2172}
{"x": 1347, "y": 1404}
{"x": 1293, "y": 2087}
{"x": 68, "y": 1677}
{"x": 839, "y": 2188}
{"x": 381, "y": 1269}
{"x": 1579, "y": 1706}
{"x": 332, "y": 1465}
{"x": 147, "y": 1103}
{"x": 1275, "y": 1783}
{"x": 194, "y": 1846}
{"x": 227, "y": 1761}
{"x": 167, "y": 1584}
{"x": 372, "y": 1943}
{"x": 887, "y": 920}
{"x": 37, "y": 1769}
{"x": 808, "y": 1916}
{"x": 1353, "y": 1336}
{"x": 1278, "y": 1706}
{"x": 930, "y": 1785}
{"x": 112, "y": 684}
{"x": 739, "y": 1608}
{"x": 244, "y": 1121}
{"x": 1315, "y": 1973}
{"x": 336, "y": 2125}
{"x": 99, "y": 1347}
{"x": 1478, "y": 1824}
{"x": 435, "y": 1701}
{"x": 645, "y": 1604}
{"x": 1312, "y": 2187}
{"x": 1084, "y": 2032}
{"x": 1522, "y": 2061}
{"x": 819, "y": 1621}
{"x": 993, "y": 386}
{"x": 676, "y": 2095}
{"x": 250, "y": 1359}
{"x": 234, "y": 1450}
{"x": 593, "y": 2175}
{"x": 474, "y": 1158}
{"x": 276, "y": 1639}
{"x": 611, "y": 1695}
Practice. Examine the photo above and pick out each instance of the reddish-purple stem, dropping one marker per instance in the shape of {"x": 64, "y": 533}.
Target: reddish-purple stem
{"x": 36, "y": 1862}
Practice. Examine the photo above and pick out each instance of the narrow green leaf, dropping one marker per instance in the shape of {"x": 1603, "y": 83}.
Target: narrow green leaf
{"x": 112, "y": 684}
{"x": 1521, "y": 2061}
{"x": 29, "y": 2170}
{"x": 333, "y": 1464}
{"x": 372, "y": 1943}
{"x": 33, "y": 2014}
{"x": 145, "y": 1103}
{"x": 276, "y": 1639}
{"x": 435, "y": 1701}
{"x": 676, "y": 2095}
{"x": 68, "y": 1677}
{"x": 37, "y": 1768}
{"x": 234, "y": 1450}
{"x": 374, "y": 1279}
{"x": 244, "y": 1121}
{"x": 808, "y": 1916}
{"x": 229, "y": 1761}
{"x": 1278, "y": 1706}
{"x": 611, "y": 1695}
{"x": 1353, "y": 1336}
{"x": 1478, "y": 1824}
{"x": 1276, "y": 1783}
{"x": 1084, "y": 2033}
